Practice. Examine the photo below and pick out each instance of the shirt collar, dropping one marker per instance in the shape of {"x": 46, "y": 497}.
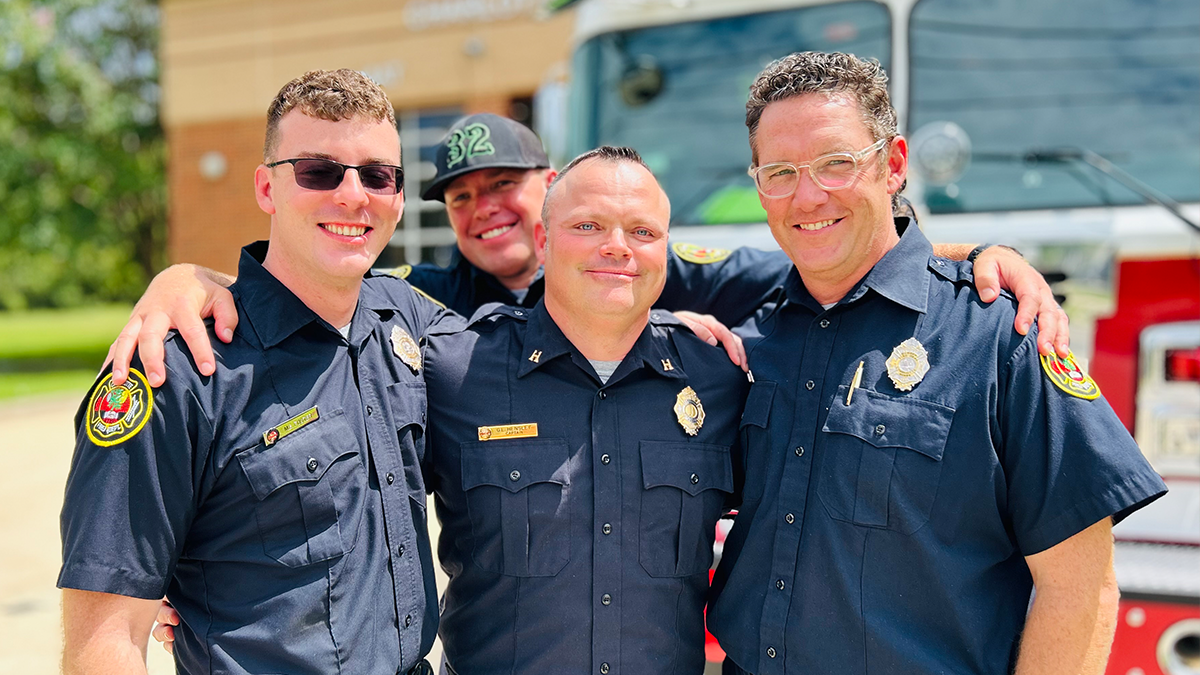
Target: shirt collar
{"x": 544, "y": 342}
{"x": 900, "y": 276}
{"x": 275, "y": 313}
{"x": 479, "y": 278}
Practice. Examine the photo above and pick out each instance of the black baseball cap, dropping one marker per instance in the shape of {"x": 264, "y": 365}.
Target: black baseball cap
{"x": 485, "y": 141}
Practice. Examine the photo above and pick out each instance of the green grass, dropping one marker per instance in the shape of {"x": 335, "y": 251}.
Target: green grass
{"x": 43, "y": 351}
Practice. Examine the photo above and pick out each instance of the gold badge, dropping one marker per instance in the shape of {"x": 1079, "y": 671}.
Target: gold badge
{"x": 117, "y": 413}
{"x": 406, "y": 348}
{"x": 271, "y": 436}
{"x": 536, "y": 355}
{"x": 908, "y": 364}
{"x": 699, "y": 254}
{"x": 1068, "y": 376}
{"x": 508, "y": 431}
{"x": 688, "y": 411}
{"x": 667, "y": 365}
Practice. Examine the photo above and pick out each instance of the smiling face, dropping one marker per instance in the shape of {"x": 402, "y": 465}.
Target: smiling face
{"x": 328, "y": 237}
{"x": 494, "y": 213}
{"x": 833, "y": 238}
{"x": 606, "y": 241}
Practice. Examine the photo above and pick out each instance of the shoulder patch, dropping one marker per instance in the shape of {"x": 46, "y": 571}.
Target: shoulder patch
{"x": 699, "y": 255}
{"x": 400, "y": 272}
{"x": 116, "y": 414}
{"x": 1068, "y": 376}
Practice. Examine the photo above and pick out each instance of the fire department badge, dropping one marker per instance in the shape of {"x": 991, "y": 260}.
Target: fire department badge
{"x": 117, "y": 413}
{"x": 908, "y": 364}
{"x": 406, "y": 348}
{"x": 688, "y": 411}
{"x": 700, "y": 255}
{"x": 1068, "y": 376}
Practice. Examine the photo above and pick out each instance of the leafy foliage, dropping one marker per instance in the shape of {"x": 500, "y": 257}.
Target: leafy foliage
{"x": 82, "y": 153}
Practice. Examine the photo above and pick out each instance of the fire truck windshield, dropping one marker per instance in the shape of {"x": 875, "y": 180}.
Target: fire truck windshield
{"x": 1027, "y": 77}
{"x": 1016, "y": 79}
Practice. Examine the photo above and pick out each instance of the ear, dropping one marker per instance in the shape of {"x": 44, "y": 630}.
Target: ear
{"x": 539, "y": 240}
{"x": 263, "y": 190}
{"x": 897, "y": 164}
{"x": 550, "y": 174}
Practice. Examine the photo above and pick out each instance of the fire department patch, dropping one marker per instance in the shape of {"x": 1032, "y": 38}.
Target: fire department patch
{"x": 117, "y": 413}
{"x": 1068, "y": 376}
{"x": 400, "y": 272}
{"x": 699, "y": 255}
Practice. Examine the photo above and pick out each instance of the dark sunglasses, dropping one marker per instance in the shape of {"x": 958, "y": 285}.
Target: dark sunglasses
{"x": 326, "y": 174}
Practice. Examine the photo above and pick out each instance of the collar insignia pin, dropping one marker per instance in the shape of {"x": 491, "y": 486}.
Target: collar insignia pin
{"x": 667, "y": 365}
{"x": 688, "y": 411}
{"x": 908, "y": 364}
{"x": 404, "y": 347}
{"x": 537, "y": 354}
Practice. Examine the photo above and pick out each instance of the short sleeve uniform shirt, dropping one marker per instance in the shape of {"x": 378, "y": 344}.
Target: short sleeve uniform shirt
{"x": 885, "y": 531}
{"x": 278, "y": 504}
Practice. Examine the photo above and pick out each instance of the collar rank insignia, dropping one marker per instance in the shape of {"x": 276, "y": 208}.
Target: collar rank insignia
{"x": 688, "y": 411}
{"x": 117, "y": 413}
{"x": 908, "y": 364}
{"x": 1069, "y": 377}
{"x": 271, "y": 436}
{"x": 406, "y": 349}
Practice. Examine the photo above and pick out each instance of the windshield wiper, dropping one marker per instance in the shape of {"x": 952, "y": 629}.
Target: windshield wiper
{"x": 1071, "y": 155}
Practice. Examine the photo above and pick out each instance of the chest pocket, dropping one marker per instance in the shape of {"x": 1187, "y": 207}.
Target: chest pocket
{"x": 310, "y": 487}
{"x": 686, "y": 485}
{"x": 518, "y": 498}
{"x": 882, "y": 460}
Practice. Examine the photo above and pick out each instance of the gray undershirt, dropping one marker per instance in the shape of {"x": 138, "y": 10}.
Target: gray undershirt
{"x": 604, "y": 369}
{"x": 345, "y": 331}
{"x": 519, "y": 294}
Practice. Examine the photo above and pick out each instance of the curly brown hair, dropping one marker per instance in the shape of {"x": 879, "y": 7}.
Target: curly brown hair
{"x": 332, "y": 95}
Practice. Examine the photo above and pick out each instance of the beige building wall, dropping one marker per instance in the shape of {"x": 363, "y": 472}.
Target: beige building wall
{"x": 223, "y": 60}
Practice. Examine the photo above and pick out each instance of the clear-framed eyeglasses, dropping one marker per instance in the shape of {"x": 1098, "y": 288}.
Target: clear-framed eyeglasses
{"x": 835, "y": 171}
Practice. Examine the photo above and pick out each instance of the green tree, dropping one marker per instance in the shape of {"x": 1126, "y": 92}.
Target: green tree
{"x": 82, "y": 153}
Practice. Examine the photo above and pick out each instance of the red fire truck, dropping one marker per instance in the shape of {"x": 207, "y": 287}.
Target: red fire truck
{"x": 1070, "y": 130}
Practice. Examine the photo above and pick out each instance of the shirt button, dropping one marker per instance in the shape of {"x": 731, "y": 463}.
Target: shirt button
{"x": 605, "y": 459}
{"x": 370, "y": 410}
{"x": 779, "y": 584}
{"x": 519, "y": 313}
{"x": 771, "y": 652}
{"x": 603, "y": 394}
{"x": 607, "y": 529}
{"x": 789, "y": 519}
{"x": 824, "y": 323}
{"x": 809, "y": 385}
{"x": 391, "y": 478}
{"x": 400, "y": 550}
{"x": 695, "y": 479}
{"x": 408, "y": 621}
{"x": 879, "y": 429}
{"x": 606, "y": 599}
{"x": 514, "y": 476}
{"x": 603, "y": 669}
{"x": 312, "y": 464}
{"x": 799, "y": 451}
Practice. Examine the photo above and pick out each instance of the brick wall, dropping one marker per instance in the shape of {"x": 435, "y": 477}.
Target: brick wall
{"x": 210, "y": 220}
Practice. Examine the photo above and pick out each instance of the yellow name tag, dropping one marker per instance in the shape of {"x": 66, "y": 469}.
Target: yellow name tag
{"x": 271, "y": 436}
{"x": 508, "y": 431}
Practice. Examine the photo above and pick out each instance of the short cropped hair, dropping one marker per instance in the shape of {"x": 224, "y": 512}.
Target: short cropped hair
{"x": 864, "y": 80}
{"x": 332, "y": 95}
{"x": 609, "y": 153}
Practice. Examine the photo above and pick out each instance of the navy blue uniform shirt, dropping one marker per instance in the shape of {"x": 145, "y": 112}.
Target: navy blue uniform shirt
{"x": 730, "y": 285}
{"x": 577, "y": 518}
{"x": 889, "y": 535}
{"x": 278, "y": 503}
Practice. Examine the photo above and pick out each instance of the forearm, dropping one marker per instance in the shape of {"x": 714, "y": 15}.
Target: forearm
{"x": 104, "y": 657}
{"x": 953, "y": 251}
{"x": 105, "y": 634}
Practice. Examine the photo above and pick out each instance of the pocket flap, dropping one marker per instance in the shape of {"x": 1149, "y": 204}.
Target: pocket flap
{"x": 406, "y": 401}
{"x": 691, "y": 467}
{"x": 303, "y": 455}
{"x": 758, "y": 404}
{"x": 515, "y": 464}
{"x": 888, "y": 422}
